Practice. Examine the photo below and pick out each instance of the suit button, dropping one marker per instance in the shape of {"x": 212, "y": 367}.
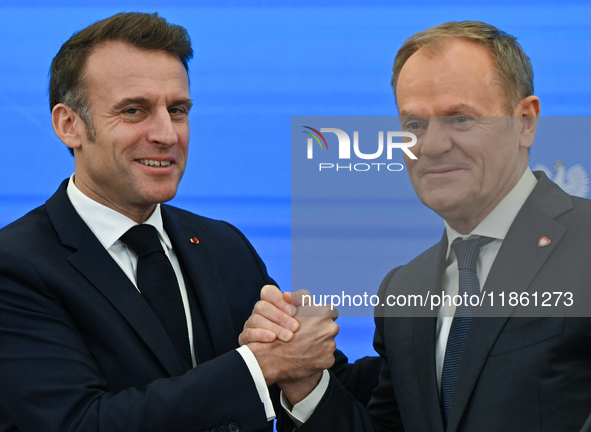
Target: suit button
{"x": 222, "y": 429}
{"x": 233, "y": 427}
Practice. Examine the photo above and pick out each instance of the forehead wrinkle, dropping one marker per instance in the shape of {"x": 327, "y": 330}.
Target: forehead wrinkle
{"x": 460, "y": 109}
{"x": 454, "y": 110}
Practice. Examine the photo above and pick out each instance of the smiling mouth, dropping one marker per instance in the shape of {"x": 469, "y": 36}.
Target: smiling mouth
{"x": 153, "y": 163}
{"x": 442, "y": 170}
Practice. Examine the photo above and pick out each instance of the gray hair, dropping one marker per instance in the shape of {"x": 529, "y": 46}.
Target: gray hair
{"x": 512, "y": 65}
{"x": 76, "y": 100}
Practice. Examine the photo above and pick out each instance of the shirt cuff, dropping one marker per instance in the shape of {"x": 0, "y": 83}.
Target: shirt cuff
{"x": 302, "y": 411}
{"x": 259, "y": 380}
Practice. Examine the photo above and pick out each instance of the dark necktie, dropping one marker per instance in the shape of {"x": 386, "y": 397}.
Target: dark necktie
{"x": 467, "y": 252}
{"x": 158, "y": 284}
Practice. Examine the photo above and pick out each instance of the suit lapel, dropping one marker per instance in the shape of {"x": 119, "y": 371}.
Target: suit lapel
{"x": 91, "y": 259}
{"x": 518, "y": 262}
{"x": 423, "y": 340}
{"x": 204, "y": 279}
{"x": 95, "y": 263}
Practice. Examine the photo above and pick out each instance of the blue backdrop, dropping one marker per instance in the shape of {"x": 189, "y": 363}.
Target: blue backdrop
{"x": 257, "y": 64}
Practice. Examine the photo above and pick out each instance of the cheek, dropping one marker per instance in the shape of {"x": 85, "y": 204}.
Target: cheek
{"x": 410, "y": 163}
{"x": 498, "y": 160}
{"x": 187, "y": 133}
{"x": 183, "y": 135}
{"x": 185, "y": 145}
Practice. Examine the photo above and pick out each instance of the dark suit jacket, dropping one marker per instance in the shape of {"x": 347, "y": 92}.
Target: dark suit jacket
{"x": 80, "y": 350}
{"x": 516, "y": 374}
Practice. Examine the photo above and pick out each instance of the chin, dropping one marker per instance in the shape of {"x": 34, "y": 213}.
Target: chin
{"x": 442, "y": 205}
{"x": 166, "y": 198}
{"x": 160, "y": 195}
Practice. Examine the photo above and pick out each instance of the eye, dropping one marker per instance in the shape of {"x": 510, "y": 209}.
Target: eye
{"x": 413, "y": 126}
{"x": 132, "y": 111}
{"x": 178, "y": 111}
{"x": 463, "y": 122}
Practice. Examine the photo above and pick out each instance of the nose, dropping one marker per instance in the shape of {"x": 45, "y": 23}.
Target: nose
{"x": 436, "y": 140}
{"x": 163, "y": 130}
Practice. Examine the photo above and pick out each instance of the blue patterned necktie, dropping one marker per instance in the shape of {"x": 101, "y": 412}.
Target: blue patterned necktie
{"x": 159, "y": 286}
{"x": 467, "y": 252}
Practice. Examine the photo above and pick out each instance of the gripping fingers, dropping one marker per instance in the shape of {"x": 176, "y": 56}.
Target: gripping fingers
{"x": 259, "y": 320}
{"x": 276, "y": 310}
{"x": 298, "y": 298}
{"x": 273, "y": 318}
{"x": 256, "y": 335}
{"x": 317, "y": 311}
{"x": 273, "y": 295}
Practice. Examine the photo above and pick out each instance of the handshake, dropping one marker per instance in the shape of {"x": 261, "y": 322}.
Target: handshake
{"x": 292, "y": 343}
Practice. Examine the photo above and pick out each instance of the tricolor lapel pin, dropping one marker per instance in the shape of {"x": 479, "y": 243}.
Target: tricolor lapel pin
{"x": 194, "y": 240}
{"x": 543, "y": 241}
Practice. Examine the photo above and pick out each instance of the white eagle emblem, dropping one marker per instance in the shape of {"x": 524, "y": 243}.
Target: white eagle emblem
{"x": 573, "y": 181}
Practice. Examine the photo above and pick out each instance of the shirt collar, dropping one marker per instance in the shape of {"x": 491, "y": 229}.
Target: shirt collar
{"x": 497, "y": 223}
{"x": 109, "y": 225}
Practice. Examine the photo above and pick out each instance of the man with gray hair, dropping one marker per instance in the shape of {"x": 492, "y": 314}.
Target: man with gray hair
{"x": 465, "y": 89}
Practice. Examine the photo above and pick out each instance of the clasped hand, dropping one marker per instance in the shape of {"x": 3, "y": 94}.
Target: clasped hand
{"x": 292, "y": 343}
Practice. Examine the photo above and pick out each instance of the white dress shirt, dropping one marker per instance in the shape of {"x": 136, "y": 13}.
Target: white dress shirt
{"x": 302, "y": 411}
{"x": 109, "y": 225}
{"x": 495, "y": 225}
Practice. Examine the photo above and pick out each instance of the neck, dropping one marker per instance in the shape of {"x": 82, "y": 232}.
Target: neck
{"x": 465, "y": 227}
{"x": 138, "y": 214}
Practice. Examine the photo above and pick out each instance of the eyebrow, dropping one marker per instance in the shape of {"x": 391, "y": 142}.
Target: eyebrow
{"x": 145, "y": 101}
{"x": 185, "y": 101}
{"x": 131, "y": 101}
{"x": 460, "y": 109}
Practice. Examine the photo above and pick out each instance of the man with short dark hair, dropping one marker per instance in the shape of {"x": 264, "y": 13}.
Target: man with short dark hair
{"x": 466, "y": 91}
{"x": 118, "y": 313}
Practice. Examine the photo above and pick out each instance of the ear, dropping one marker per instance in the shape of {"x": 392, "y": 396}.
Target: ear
{"x": 527, "y": 112}
{"x": 68, "y": 126}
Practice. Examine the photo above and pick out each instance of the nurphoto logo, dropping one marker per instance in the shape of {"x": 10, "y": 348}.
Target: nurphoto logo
{"x": 344, "y": 147}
